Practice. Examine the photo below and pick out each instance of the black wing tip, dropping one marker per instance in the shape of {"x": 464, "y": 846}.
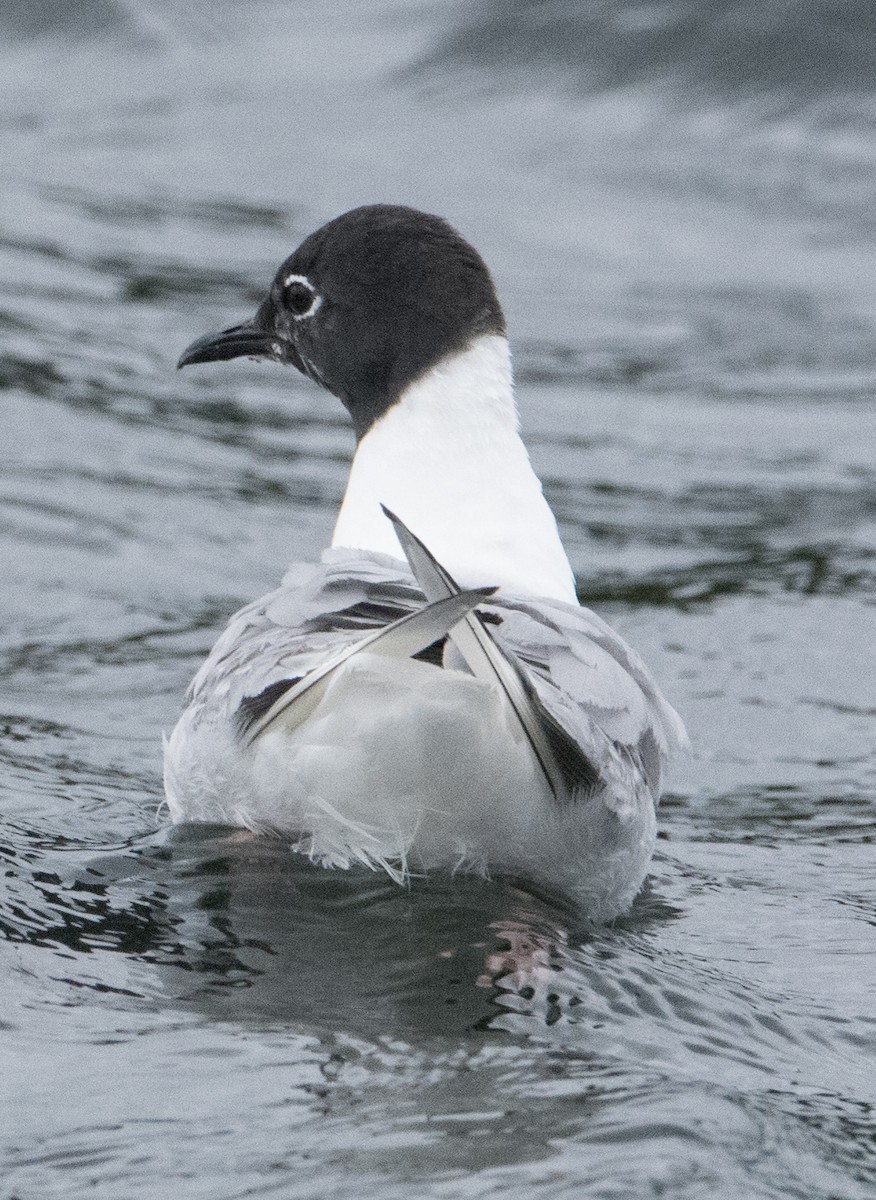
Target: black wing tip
{"x": 404, "y": 535}
{"x": 399, "y": 524}
{"x": 251, "y": 708}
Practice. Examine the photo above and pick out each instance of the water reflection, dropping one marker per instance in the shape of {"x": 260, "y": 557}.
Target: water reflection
{"x": 239, "y": 927}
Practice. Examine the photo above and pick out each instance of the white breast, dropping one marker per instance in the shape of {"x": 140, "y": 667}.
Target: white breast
{"x": 448, "y": 458}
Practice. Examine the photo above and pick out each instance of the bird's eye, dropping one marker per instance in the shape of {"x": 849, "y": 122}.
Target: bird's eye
{"x": 299, "y": 298}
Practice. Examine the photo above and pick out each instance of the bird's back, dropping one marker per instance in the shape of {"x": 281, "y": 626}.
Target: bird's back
{"x": 411, "y": 764}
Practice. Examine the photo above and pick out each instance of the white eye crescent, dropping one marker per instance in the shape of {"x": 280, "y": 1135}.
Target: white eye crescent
{"x": 299, "y": 297}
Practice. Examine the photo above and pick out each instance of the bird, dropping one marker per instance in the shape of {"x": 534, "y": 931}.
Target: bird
{"x": 430, "y": 695}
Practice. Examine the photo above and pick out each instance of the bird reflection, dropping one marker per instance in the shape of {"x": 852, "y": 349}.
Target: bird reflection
{"x": 268, "y": 934}
{"x": 239, "y": 927}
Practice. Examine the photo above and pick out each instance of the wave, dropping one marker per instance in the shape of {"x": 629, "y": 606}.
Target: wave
{"x": 701, "y": 48}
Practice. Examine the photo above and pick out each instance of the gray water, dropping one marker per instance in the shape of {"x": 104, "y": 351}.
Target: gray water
{"x": 677, "y": 203}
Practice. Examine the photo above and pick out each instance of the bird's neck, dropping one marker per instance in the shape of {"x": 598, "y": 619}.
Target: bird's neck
{"x": 448, "y": 459}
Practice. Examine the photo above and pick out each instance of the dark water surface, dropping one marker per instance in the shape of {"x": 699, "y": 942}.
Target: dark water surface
{"x": 677, "y": 202}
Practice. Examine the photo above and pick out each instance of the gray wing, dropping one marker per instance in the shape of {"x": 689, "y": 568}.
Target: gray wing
{"x": 403, "y": 638}
{"x": 593, "y": 716}
{"x": 597, "y": 688}
{"x": 317, "y": 611}
{"x": 566, "y": 769}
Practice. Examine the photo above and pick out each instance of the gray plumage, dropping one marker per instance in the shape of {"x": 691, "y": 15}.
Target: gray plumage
{"x": 585, "y": 676}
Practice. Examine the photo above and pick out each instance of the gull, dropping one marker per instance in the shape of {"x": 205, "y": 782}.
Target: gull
{"x": 430, "y": 695}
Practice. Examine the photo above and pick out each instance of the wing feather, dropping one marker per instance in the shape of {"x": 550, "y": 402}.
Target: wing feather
{"x": 402, "y": 639}
{"x": 564, "y": 765}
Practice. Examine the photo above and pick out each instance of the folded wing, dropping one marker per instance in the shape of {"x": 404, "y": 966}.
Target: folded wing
{"x": 565, "y": 766}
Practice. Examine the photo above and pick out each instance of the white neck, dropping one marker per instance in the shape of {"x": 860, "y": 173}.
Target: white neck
{"x": 448, "y": 459}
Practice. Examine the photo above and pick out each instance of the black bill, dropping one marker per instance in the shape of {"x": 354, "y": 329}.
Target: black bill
{"x": 237, "y": 342}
